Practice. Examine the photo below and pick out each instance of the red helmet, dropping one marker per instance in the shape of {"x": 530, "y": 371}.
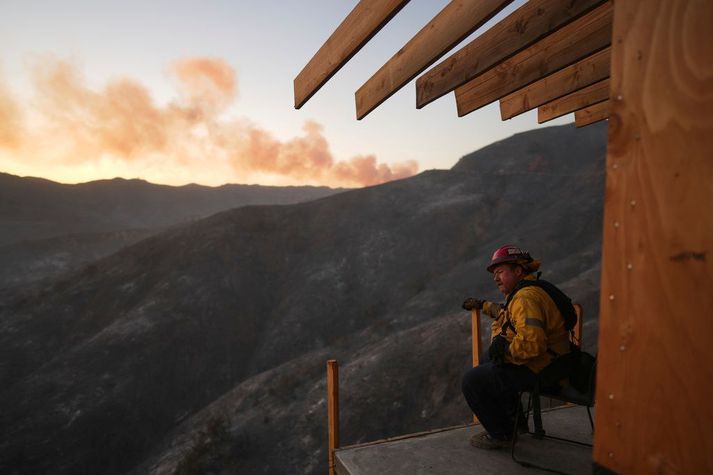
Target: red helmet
{"x": 510, "y": 253}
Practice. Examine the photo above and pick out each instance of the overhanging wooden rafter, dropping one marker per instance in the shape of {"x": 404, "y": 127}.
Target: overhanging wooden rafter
{"x": 566, "y": 46}
{"x": 585, "y": 97}
{"x": 528, "y": 24}
{"x": 544, "y": 50}
{"x": 364, "y": 21}
{"x": 592, "y": 114}
{"x": 570, "y": 79}
{"x": 454, "y": 23}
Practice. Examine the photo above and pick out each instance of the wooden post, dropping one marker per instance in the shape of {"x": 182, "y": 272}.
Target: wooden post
{"x": 333, "y": 409}
{"x": 475, "y": 329}
{"x": 655, "y": 364}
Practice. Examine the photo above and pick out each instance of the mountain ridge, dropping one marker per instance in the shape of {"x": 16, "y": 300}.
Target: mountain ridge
{"x": 48, "y": 228}
{"x": 37, "y": 208}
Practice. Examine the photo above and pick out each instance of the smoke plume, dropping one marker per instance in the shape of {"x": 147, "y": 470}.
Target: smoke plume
{"x": 10, "y": 132}
{"x": 120, "y": 127}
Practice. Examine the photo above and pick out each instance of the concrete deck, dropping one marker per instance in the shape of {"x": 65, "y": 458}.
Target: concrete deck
{"x": 449, "y": 451}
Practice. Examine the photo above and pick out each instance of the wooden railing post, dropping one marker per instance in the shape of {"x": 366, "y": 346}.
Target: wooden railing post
{"x": 333, "y": 409}
{"x": 475, "y": 330}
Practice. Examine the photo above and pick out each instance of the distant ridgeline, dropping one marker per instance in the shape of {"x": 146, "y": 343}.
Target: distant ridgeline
{"x": 49, "y": 228}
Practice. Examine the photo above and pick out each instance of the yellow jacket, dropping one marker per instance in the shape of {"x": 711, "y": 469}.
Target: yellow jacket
{"x": 539, "y": 327}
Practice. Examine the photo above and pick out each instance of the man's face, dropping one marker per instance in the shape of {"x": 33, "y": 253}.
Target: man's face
{"x": 506, "y": 276}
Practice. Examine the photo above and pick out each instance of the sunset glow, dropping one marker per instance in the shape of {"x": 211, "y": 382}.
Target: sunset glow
{"x": 182, "y": 92}
{"x": 76, "y": 133}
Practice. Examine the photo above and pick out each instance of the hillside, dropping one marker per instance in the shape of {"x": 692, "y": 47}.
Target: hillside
{"x": 47, "y": 228}
{"x": 35, "y": 208}
{"x": 224, "y": 324}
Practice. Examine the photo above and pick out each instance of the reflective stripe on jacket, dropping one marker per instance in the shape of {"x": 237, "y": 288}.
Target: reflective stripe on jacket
{"x": 539, "y": 327}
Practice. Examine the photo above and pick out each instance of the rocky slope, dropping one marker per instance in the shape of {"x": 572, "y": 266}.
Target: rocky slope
{"x": 201, "y": 349}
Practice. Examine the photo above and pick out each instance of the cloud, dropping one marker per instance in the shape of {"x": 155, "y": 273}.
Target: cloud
{"x": 189, "y": 138}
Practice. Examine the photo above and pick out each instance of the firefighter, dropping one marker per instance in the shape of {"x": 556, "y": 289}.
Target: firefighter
{"x": 528, "y": 333}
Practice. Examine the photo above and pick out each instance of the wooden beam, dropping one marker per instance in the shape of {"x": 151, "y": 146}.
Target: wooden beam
{"x": 528, "y": 24}
{"x": 592, "y": 114}
{"x": 332, "y": 410}
{"x": 566, "y": 46}
{"x": 655, "y": 365}
{"x": 364, "y": 21}
{"x": 585, "y": 97}
{"x": 572, "y": 78}
{"x": 452, "y": 25}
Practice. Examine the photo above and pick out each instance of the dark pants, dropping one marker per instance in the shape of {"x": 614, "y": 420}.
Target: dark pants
{"x": 492, "y": 394}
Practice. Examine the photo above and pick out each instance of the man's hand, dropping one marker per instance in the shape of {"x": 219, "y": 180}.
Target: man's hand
{"x": 471, "y": 303}
{"x": 498, "y": 347}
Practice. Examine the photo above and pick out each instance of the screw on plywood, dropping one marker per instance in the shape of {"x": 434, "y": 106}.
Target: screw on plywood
{"x": 616, "y": 224}
{"x": 629, "y": 266}
{"x": 632, "y": 203}
{"x": 611, "y": 296}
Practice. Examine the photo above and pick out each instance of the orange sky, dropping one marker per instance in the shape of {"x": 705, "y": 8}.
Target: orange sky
{"x": 74, "y": 133}
{"x": 181, "y": 92}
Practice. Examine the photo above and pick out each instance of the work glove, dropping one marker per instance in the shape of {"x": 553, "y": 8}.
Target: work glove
{"x": 498, "y": 347}
{"x": 471, "y": 303}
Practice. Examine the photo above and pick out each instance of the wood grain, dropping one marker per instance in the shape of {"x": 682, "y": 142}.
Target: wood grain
{"x": 655, "y": 367}
{"x": 572, "y": 78}
{"x": 566, "y": 46}
{"x": 585, "y": 97}
{"x": 475, "y": 331}
{"x": 452, "y": 25}
{"x": 526, "y": 25}
{"x": 590, "y": 115}
{"x": 364, "y": 21}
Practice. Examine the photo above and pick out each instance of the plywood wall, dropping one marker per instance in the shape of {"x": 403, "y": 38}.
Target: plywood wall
{"x": 655, "y": 379}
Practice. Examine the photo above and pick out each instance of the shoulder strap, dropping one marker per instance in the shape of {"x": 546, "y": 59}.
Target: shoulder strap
{"x": 563, "y": 303}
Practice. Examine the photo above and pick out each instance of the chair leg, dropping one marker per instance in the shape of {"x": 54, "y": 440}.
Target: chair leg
{"x": 514, "y": 436}
{"x": 517, "y": 420}
{"x": 537, "y": 417}
{"x": 591, "y": 421}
